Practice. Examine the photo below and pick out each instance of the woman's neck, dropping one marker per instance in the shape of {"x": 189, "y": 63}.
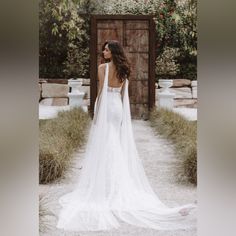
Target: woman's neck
{"x": 112, "y": 65}
{"x": 111, "y": 62}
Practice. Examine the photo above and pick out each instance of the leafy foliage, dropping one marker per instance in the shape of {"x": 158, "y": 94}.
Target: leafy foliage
{"x": 64, "y": 39}
{"x": 166, "y": 63}
{"x": 65, "y": 30}
{"x": 175, "y": 27}
{"x": 188, "y": 39}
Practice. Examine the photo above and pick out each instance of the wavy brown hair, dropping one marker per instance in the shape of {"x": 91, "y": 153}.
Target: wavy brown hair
{"x": 119, "y": 59}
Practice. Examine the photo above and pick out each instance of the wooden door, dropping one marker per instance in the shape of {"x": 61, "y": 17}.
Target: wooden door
{"x": 136, "y": 35}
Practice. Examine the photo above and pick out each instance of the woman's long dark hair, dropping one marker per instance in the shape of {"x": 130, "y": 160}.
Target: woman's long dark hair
{"x": 119, "y": 59}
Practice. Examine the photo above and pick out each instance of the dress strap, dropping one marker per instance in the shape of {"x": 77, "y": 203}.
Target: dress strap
{"x": 106, "y": 76}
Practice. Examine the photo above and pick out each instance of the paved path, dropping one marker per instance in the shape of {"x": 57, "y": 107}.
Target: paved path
{"x": 159, "y": 162}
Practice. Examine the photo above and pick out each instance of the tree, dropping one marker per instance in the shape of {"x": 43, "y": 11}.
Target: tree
{"x": 63, "y": 52}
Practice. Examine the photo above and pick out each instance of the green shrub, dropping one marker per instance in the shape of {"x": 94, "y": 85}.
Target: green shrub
{"x": 64, "y": 32}
{"x": 166, "y": 64}
{"x": 176, "y": 27}
{"x": 183, "y": 133}
{"x": 58, "y": 139}
{"x": 63, "y": 40}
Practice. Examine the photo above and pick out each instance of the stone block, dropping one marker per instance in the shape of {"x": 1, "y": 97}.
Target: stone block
{"x": 57, "y": 81}
{"x": 181, "y": 82}
{"x": 54, "y": 101}
{"x": 60, "y": 101}
{"x": 39, "y": 91}
{"x": 183, "y": 92}
{"x": 46, "y": 101}
{"x": 50, "y": 90}
{"x": 86, "y": 90}
{"x": 86, "y": 81}
{"x": 194, "y": 83}
{"x": 192, "y": 103}
{"x": 194, "y": 92}
{"x": 41, "y": 80}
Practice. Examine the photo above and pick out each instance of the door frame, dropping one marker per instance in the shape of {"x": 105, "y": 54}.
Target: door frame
{"x": 93, "y": 55}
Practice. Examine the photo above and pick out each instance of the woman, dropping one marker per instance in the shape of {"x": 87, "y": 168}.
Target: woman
{"x": 113, "y": 185}
{"x": 119, "y": 69}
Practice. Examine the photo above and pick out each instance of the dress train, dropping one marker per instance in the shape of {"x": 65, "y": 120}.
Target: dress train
{"x": 113, "y": 184}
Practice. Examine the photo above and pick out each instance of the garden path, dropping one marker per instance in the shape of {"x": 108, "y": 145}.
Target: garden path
{"x": 159, "y": 160}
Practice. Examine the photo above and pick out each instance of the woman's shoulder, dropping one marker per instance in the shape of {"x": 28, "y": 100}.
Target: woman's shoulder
{"x": 102, "y": 66}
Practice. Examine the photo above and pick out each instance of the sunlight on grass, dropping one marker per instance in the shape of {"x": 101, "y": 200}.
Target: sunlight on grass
{"x": 183, "y": 133}
{"x": 58, "y": 139}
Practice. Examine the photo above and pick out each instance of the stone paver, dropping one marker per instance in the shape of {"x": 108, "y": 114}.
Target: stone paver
{"x": 159, "y": 160}
{"x": 187, "y": 113}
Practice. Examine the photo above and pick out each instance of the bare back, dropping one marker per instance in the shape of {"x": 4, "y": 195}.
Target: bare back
{"x": 113, "y": 80}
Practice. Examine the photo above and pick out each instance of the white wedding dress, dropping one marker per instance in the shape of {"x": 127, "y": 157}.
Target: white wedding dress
{"x": 113, "y": 185}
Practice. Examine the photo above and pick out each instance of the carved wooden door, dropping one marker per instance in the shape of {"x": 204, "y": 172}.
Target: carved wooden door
{"x": 136, "y": 35}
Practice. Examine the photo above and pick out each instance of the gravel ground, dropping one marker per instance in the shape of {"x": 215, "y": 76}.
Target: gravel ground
{"x": 159, "y": 160}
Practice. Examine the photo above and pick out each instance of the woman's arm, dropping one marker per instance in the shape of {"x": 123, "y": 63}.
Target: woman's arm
{"x": 101, "y": 76}
{"x": 123, "y": 89}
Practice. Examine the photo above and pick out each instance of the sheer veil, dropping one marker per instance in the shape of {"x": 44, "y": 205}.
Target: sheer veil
{"x": 113, "y": 184}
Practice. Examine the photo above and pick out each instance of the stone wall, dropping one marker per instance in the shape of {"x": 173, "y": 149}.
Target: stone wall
{"x": 185, "y": 93}
{"x": 55, "y": 92}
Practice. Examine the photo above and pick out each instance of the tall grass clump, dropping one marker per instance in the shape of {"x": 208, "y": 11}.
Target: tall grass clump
{"x": 183, "y": 133}
{"x": 58, "y": 139}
